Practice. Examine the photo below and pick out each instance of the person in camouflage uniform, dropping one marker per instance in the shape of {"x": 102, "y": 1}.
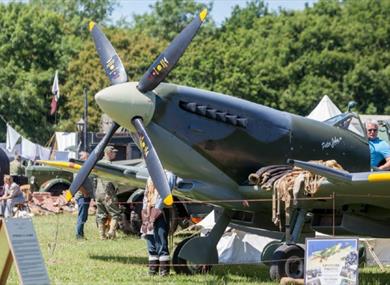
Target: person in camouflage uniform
{"x": 107, "y": 201}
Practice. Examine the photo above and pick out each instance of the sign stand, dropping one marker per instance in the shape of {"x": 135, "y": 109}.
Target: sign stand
{"x": 18, "y": 243}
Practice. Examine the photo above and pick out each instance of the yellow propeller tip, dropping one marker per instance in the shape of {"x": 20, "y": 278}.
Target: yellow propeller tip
{"x": 91, "y": 25}
{"x": 68, "y": 195}
{"x": 203, "y": 15}
{"x": 168, "y": 200}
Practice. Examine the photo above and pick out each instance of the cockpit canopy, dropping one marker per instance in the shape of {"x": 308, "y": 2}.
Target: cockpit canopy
{"x": 348, "y": 121}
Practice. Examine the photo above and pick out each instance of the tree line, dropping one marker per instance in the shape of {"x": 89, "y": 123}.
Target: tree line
{"x": 284, "y": 59}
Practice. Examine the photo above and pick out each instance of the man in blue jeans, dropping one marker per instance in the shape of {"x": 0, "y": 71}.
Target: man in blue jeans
{"x": 83, "y": 198}
{"x": 155, "y": 227}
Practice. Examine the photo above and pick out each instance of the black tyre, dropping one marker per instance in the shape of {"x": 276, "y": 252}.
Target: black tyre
{"x": 4, "y": 165}
{"x": 182, "y": 266}
{"x": 288, "y": 262}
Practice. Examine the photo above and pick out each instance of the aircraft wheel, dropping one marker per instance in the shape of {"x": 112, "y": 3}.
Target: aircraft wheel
{"x": 288, "y": 262}
{"x": 182, "y": 266}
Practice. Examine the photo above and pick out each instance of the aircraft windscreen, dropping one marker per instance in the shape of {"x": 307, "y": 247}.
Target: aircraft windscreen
{"x": 347, "y": 121}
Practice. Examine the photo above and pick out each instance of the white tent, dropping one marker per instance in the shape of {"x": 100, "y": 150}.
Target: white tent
{"x": 325, "y": 109}
{"x": 235, "y": 246}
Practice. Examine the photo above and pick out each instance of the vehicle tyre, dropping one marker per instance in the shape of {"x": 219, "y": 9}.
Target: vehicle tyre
{"x": 4, "y": 165}
{"x": 288, "y": 262}
{"x": 57, "y": 189}
{"x": 182, "y": 266}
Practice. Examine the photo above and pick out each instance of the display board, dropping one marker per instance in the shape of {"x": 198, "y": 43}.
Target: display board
{"x": 18, "y": 243}
{"x": 331, "y": 261}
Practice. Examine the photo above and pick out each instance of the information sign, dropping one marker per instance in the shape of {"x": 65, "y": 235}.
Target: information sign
{"x": 331, "y": 261}
{"x": 18, "y": 243}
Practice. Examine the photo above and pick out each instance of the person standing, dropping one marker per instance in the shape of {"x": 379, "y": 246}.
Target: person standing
{"x": 379, "y": 149}
{"x": 107, "y": 201}
{"x": 12, "y": 196}
{"x": 83, "y": 199}
{"x": 155, "y": 227}
{"x": 16, "y": 167}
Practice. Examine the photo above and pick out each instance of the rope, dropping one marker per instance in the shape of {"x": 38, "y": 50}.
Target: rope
{"x": 286, "y": 182}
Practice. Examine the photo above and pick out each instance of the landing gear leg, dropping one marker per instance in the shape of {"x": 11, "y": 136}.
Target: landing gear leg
{"x": 287, "y": 259}
{"x": 200, "y": 251}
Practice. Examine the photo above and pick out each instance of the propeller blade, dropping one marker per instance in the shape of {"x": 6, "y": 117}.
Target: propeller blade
{"x": 90, "y": 163}
{"x": 110, "y": 60}
{"x": 169, "y": 57}
{"x": 153, "y": 163}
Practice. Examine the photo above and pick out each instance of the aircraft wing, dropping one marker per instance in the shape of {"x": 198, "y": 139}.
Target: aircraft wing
{"x": 340, "y": 176}
{"x": 134, "y": 173}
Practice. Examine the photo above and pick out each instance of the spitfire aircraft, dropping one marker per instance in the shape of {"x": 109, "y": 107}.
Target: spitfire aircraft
{"x": 214, "y": 141}
{"x": 324, "y": 254}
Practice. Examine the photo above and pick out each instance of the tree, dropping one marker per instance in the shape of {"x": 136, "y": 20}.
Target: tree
{"x": 96, "y": 10}
{"x": 168, "y": 17}
{"x": 31, "y": 52}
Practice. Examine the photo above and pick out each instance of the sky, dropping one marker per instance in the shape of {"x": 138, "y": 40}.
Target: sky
{"x": 221, "y": 8}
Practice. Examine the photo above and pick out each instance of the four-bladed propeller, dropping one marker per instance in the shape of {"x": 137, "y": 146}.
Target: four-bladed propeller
{"x": 153, "y": 76}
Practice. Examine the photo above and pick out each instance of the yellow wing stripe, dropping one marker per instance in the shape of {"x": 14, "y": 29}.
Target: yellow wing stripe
{"x": 61, "y": 164}
{"x": 377, "y": 177}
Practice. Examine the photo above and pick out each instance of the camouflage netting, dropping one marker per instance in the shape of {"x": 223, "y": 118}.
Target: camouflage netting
{"x": 286, "y": 182}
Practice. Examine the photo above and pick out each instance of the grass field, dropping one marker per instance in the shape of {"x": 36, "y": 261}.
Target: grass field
{"x": 123, "y": 261}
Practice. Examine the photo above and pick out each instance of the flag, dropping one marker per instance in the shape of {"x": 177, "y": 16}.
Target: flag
{"x": 55, "y": 89}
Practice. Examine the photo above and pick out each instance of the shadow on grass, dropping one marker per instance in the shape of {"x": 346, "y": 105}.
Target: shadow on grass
{"x": 121, "y": 259}
{"x": 250, "y": 272}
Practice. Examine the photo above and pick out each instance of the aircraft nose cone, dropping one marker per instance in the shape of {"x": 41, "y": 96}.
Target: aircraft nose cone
{"x": 123, "y": 102}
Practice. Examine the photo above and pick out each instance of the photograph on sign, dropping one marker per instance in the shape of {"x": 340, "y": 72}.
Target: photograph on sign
{"x": 331, "y": 261}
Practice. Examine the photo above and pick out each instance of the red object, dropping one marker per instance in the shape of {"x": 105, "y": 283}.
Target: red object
{"x": 53, "y": 105}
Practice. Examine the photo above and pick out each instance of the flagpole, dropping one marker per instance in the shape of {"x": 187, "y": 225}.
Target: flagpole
{"x": 85, "y": 119}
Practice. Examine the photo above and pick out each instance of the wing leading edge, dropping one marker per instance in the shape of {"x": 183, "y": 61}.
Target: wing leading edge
{"x": 134, "y": 175}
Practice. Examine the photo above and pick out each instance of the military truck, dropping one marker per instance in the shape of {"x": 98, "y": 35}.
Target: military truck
{"x": 49, "y": 179}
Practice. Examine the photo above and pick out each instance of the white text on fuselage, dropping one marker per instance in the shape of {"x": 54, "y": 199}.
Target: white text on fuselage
{"x": 332, "y": 143}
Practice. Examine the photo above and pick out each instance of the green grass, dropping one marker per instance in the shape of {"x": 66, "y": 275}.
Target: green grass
{"x": 123, "y": 261}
